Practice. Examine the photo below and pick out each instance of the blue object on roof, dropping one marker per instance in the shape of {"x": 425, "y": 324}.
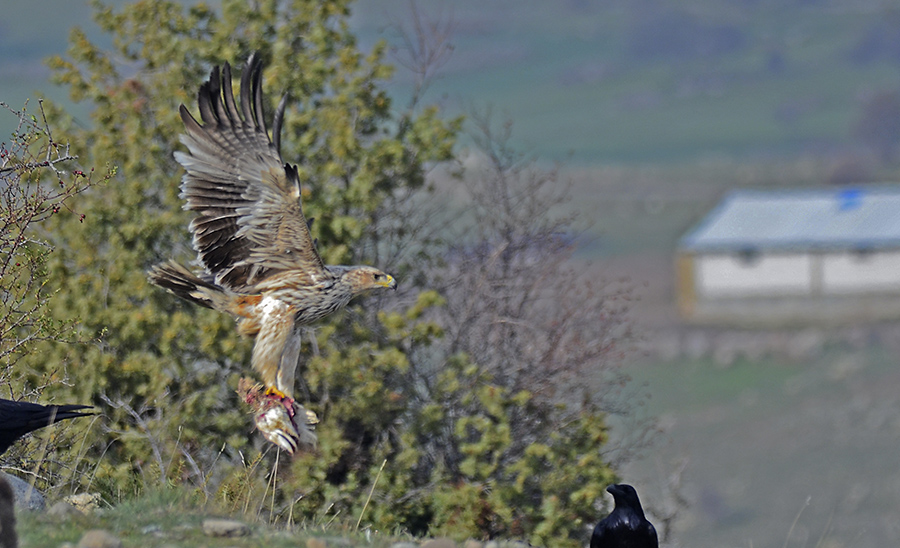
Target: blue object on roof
{"x": 857, "y": 218}
{"x": 850, "y": 198}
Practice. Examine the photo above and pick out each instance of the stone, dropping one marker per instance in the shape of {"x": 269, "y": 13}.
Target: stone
{"x": 27, "y": 498}
{"x": 62, "y": 509}
{"x": 225, "y": 528}
{"x": 329, "y": 542}
{"x": 152, "y": 529}
{"x": 438, "y": 543}
{"x": 99, "y": 538}
{"x": 86, "y": 502}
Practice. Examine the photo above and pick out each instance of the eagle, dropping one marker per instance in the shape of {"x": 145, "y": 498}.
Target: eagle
{"x": 258, "y": 261}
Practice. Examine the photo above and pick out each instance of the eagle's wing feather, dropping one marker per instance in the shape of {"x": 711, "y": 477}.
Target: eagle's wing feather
{"x": 250, "y": 223}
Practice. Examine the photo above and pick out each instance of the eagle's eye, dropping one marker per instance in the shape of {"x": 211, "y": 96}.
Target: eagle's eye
{"x": 379, "y": 277}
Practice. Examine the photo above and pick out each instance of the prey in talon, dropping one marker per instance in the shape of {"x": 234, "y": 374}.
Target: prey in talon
{"x": 279, "y": 418}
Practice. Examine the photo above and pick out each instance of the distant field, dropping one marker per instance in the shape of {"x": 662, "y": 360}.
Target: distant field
{"x": 590, "y": 85}
{"x": 758, "y": 438}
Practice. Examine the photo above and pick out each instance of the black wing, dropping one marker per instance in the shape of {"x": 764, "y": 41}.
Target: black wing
{"x": 18, "y": 418}
{"x": 623, "y": 529}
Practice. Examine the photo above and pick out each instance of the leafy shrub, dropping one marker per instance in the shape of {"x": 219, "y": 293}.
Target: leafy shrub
{"x": 421, "y": 429}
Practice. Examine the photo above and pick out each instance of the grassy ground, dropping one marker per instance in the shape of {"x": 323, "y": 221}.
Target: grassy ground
{"x": 174, "y": 518}
{"x": 772, "y": 453}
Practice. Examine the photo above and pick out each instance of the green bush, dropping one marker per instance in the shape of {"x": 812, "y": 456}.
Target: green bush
{"x": 421, "y": 430}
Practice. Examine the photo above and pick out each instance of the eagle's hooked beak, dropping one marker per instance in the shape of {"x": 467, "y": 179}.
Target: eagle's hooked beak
{"x": 388, "y": 282}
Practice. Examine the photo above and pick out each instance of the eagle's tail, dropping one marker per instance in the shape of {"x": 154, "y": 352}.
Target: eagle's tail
{"x": 190, "y": 287}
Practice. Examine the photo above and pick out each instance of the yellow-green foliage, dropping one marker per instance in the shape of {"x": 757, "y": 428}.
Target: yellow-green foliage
{"x": 435, "y": 442}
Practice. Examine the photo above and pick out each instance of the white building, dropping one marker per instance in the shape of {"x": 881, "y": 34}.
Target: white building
{"x": 770, "y": 257}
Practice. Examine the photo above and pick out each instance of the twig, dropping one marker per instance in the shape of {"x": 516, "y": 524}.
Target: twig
{"x": 43, "y": 455}
{"x": 172, "y": 457}
{"x": 81, "y": 453}
{"x": 290, "y": 520}
{"x": 271, "y": 482}
{"x": 274, "y": 479}
{"x": 826, "y": 530}
{"x": 796, "y": 519}
{"x": 372, "y": 490}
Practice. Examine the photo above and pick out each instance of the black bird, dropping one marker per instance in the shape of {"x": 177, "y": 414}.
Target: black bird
{"x": 625, "y": 526}
{"x": 8, "y": 537}
{"x": 18, "y": 418}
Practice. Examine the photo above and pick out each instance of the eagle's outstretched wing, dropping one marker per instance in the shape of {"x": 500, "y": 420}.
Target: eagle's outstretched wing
{"x": 249, "y": 223}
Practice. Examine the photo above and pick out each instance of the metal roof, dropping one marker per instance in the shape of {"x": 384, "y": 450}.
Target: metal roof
{"x": 859, "y": 218}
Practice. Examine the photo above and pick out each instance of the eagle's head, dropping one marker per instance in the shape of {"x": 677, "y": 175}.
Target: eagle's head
{"x": 364, "y": 279}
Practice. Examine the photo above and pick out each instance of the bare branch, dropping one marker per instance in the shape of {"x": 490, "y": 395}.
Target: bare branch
{"x": 425, "y": 48}
{"x": 34, "y": 185}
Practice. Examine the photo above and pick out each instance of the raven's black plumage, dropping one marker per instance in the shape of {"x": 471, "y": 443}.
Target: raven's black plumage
{"x": 18, "y": 418}
{"x": 625, "y": 526}
{"x": 8, "y": 537}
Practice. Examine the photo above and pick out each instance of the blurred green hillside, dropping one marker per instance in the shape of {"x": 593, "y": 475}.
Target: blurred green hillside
{"x": 656, "y": 81}
{"x": 607, "y": 82}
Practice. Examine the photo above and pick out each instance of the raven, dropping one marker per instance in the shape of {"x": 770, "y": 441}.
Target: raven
{"x": 18, "y": 418}
{"x": 625, "y": 526}
{"x": 8, "y": 538}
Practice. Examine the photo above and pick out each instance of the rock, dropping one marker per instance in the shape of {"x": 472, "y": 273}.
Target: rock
{"x": 62, "y": 509}
{"x": 27, "y": 498}
{"x": 328, "y": 542}
{"x": 404, "y": 545}
{"x": 472, "y": 543}
{"x": 152, "y": 529}
{"x": 98, "y": 538}
{"x": 86, "y": 502}
{"x": 225, "y": 528}
{"x": 438, "y": 543}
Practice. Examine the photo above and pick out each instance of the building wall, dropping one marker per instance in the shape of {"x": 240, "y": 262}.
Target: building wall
{"x": 735, "y": 275}
{"x": 789, "y": 288}
{"x": 845, "y": 273}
